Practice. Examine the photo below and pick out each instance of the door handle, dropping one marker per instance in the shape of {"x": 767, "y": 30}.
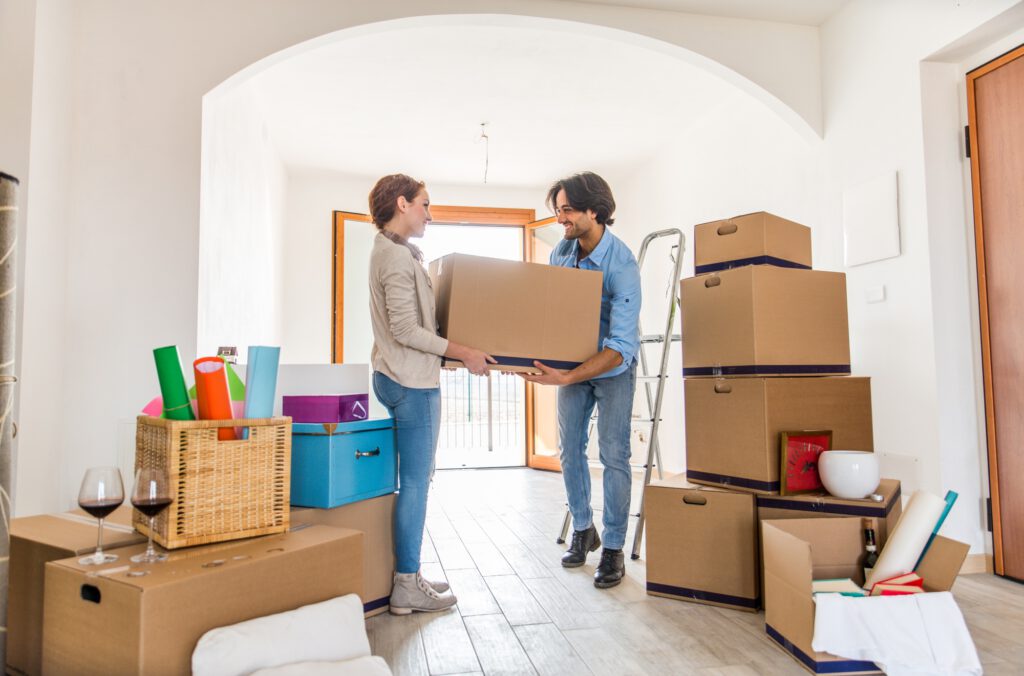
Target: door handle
{"x": 367, "y": 454}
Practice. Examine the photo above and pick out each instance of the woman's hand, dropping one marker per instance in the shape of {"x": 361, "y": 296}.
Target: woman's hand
{"x": 475, "y": 360}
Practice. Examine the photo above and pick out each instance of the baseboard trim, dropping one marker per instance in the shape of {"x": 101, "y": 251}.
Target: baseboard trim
{"x": 977, "y": 563}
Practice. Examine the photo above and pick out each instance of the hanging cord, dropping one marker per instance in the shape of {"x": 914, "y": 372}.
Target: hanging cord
{"x": 487, "y": 148}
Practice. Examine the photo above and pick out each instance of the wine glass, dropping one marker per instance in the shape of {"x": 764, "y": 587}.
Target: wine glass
{"x": 101, "y": 493}
{"x": 151, "y": 496}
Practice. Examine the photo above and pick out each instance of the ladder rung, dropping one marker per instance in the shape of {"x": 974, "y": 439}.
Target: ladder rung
{"x": 654, "y": 377}
{"x": 659, "y": 338}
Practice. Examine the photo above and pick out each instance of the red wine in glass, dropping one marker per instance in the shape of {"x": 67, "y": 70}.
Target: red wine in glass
{"x": 101, "y": 493}
{"x": 151, "y": 496}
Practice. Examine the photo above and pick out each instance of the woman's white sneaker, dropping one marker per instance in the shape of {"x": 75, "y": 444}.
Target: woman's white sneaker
{"x": 413, "y": 593}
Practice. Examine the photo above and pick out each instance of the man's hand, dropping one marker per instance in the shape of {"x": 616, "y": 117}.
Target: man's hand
{"x": 547, "y": 376}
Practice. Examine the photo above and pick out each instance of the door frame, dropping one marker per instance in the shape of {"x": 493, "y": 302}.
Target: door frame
{"x": 499, "y": 217}
{"x": 547, "y": 462}
{"x": 986, "y": 344}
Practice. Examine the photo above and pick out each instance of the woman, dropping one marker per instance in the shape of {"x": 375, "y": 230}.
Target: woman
{"x": 406, "y": 360}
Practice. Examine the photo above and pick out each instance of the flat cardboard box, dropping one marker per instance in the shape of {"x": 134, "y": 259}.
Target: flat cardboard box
{"x": 797, "y": 551}
{"x": 100, "y": 620}
{"x": 733, "y": 425}
{"x": 375, "y": 518}
{"x": 702, "y": 544}
{"x": 822, "y": 505}
{"x": 34, "y": 541}
{"x": 762, "y": 320}
{"x": 759, "y": 238}
{"x": 518, "y": 312}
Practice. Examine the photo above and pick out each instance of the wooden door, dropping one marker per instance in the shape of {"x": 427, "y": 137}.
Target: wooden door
{"x": 541, "y": 400}
{"x": 995, "y": 102}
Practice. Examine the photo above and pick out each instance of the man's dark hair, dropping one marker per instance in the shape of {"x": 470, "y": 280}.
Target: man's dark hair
{"x": 586, "y": 191}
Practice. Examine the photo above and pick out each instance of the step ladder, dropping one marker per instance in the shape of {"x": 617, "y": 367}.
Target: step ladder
{"x": 653, "y": 399}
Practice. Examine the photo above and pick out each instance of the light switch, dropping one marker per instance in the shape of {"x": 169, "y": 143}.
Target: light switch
{"x": 875, "y": 294}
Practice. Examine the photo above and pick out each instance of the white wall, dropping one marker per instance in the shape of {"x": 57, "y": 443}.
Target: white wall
{"x": 882, "y": 112}
{"x": 241, "y": 226}
{"x": 137, "y": 78}
{"x": 313, "y": 196}
{"x": 740, "y": 158}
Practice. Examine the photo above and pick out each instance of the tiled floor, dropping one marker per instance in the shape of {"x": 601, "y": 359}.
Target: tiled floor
{"x": 491, "y": 534}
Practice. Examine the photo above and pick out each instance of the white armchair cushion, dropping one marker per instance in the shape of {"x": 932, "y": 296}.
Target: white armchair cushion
{"x": 329, "y": 631}
{"x": 361, "y": 666}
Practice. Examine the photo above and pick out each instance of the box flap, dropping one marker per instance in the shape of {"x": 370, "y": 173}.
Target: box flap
{"x": 942, "y": 563}
{"x": 786, "y": 555}
{"x": 76, "y": 532}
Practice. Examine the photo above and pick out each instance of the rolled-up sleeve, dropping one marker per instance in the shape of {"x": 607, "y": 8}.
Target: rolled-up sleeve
{"x": 399, "y": 281}
{"x": 625, "y": 299}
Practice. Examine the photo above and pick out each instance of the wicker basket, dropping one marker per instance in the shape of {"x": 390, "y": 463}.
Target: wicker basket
{"x": 223, "y": 490}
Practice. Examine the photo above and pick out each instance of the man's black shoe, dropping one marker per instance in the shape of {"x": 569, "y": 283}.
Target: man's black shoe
{"x": 611, "y": 569}
{"x": 583, "y": 542}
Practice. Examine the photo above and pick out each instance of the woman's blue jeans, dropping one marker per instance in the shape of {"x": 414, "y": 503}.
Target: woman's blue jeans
{"x": 417, "y": 414}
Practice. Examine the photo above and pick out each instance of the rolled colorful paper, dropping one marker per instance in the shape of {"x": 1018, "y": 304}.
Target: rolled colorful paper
{"x": 905, "y": 543}
{"x": 235, "y": 385}
{"x": 154, "y": 408}
{"x": 951, "y": 497}
{"x": 261, "y": 382}
{"x": 172, "y": 383}
{"x": 213, "y": 394}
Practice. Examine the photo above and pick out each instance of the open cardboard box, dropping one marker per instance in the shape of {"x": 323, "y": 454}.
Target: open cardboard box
{"x": 108, "y": 619}
{"x": 518, "y": 312}
{"x": 797, "y": 551}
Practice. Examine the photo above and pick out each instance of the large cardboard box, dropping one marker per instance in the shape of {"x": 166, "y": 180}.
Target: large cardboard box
{"x": 822, "y": 505}
{"x": 702, "y": 544}
{"x": 34, "y": 541}
{"x": 375, "y": 518}
{"x": 733, "y": 425}
{"x": 765, "y": 320}
{"x": 760, "y": 238}
{"x": 105, "y": 621}
{"x": 518, "y": 312}
{"x": 797, "y": 551}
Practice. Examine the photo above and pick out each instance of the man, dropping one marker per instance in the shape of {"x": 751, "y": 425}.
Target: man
{"x": 584, "y": 206}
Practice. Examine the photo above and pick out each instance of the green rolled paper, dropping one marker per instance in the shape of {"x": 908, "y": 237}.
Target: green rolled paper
{"x": 172, "y": 384}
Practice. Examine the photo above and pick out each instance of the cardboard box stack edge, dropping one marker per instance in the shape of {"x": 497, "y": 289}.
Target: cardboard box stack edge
{"x": 765, "y": 350}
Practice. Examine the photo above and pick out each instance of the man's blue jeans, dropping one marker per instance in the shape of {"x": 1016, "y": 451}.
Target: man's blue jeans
{"x": 614, "y": 400}
{"x": 417, "y": 414}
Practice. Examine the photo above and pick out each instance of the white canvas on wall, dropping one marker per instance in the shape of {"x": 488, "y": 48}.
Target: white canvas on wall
{"x": 871, "y": 227}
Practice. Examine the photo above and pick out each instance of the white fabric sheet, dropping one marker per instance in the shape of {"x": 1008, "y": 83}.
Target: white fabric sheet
{"x": 321, "y": 632}
{"x": 904, "y": 635}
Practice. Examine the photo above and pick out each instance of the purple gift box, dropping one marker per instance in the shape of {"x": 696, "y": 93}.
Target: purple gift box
{"x": 329, "y": 408}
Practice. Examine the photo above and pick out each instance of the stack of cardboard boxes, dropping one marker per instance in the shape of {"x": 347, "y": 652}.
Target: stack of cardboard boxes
{"x": 765, "y": 350}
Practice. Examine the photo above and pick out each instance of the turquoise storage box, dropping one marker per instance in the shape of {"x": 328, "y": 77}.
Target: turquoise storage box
{"x": 337, "y": 463}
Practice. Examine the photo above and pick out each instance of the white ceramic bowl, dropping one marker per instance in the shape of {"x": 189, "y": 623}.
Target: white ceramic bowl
{"x": 849, "y": 474}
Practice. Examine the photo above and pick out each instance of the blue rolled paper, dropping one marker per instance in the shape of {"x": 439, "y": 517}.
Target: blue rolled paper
{"x": 261, "y": 382}
{"x": 951, "y": 497}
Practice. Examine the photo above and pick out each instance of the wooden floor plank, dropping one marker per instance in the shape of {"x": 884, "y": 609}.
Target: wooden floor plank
{"x": 549, "y": 650}
{"x": 474, "y": 596}
{"x": 516, "y": 602}
{"x": 497, "y": 646}
{"x": 446, "y": 643}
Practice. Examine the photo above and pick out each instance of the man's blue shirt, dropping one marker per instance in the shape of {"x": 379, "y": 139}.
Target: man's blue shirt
{"x": 620, "y": 293}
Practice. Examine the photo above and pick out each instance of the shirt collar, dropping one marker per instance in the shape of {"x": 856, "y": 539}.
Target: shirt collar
{"x": 600, "y": 251}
